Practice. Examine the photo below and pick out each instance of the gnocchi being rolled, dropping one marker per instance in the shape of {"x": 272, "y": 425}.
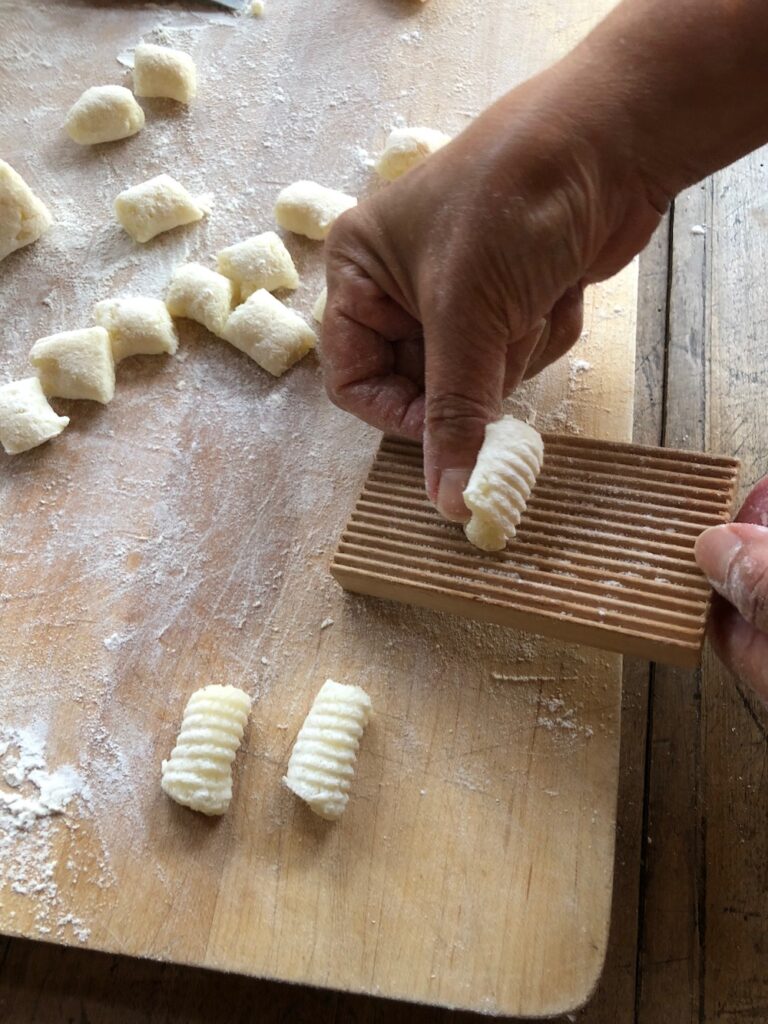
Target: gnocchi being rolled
{"x": 501, "y": 482}
{"x": 104, "y": 113}
{"x": 198, "y": 774}
{"x": 157, "y": 205}
{"x": 322, "y": 763}
{"x": 259, "y": 262}
{"x": 23, "y": 217}
{"x": 307, "y": 208}
{"x": 136, "y": 325}
{"x": 26, "y": 418}
{"x": 271, "y": 334}
{"x": 407, "y": 147}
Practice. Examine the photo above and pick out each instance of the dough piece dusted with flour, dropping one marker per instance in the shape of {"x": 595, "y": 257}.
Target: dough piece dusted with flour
{"x": 26, "y": 418}
{"x": 270, "y": 333}
{"x": 198, "y": 774}
{"x": 23, "y": 217}
{"x": 136, "y": 325}
{"x": 76, "y": 364}
{"x": 199, "y": 293}
{"x": 157, "y": 205}
{"x": 501, "y": 482}
{"x": 162, "y": 71}
{"x": 259, "y": 262}
{"x": 407, "y": 147}
{"x": 104, "y": 113}
{"x": 318, "y": 310}
{"x": 322, "y": 763}
{"x": 307, "y": 208}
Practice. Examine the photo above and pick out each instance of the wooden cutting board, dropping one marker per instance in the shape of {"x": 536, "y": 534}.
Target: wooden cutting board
{"x": 182, "y": 536}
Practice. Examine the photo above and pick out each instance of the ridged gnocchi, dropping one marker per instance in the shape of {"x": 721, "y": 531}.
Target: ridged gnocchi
{"x": 198, "y": 773}
{"x": 501, "y": 483}
{"x": 322, "y": 764}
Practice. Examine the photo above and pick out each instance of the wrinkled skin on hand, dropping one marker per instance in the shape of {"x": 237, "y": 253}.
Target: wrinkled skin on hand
{"x": 735, "y": 559}
{"x": 464, "y": 277}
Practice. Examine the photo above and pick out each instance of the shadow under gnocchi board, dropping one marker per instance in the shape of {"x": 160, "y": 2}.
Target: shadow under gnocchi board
{"x": 182, "y": 536}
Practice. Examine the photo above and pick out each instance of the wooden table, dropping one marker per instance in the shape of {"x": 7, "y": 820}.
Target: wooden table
{"x": 690, "y": 907}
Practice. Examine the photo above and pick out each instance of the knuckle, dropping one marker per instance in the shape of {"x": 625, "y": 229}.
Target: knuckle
{"x": 451, "y": 412}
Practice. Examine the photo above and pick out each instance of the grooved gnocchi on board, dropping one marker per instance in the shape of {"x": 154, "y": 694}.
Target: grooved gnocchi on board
{"x": 198, "y": 773}
{"x": 322, "y": 763}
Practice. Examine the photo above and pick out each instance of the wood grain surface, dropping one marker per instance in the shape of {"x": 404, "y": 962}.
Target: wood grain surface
{"x": 181, "y": 536}
{"x": 646, "y": 979}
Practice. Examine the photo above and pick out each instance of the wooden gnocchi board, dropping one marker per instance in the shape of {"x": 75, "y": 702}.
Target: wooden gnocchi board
{"x": 182, "y": 535}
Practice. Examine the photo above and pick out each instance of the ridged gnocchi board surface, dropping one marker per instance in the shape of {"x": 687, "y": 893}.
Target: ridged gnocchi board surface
{"x": 603, "y": 555}
{"x": 182, "y": 536}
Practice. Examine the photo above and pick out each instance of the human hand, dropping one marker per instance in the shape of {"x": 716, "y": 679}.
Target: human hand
{"x": 453, "y": 284}
{"x": 735, "y": 560}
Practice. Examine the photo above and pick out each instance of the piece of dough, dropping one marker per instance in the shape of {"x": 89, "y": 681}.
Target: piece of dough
{"x": 318, "y": 310}
{"x": 501, "y": 482}
{"x": 322, "y": 762}
{"x": 199, "y": 293}
{"x": 259, "y": 262}
{"x": 257, "y": 8}
{"x": 26, "y": 418}
{"x": 407, "y": 147}
{"x": 198, "y": 774}
{"x": 23, "y": 217}
{"x": 307, "y": 208}
{"x": 157, "y": 205}
{"x": 76, "y": 364}
{"x": 104, "y": 113}
{"x": 161, "y": 71}
{"x": 270, "y": 333}
{"x": 136, "y": 325}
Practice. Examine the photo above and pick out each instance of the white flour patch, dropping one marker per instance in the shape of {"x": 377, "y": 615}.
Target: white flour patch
{"x": 34, "y": 801}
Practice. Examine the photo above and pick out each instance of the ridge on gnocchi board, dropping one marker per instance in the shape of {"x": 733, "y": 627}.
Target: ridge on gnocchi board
{"x": 182, "y": 536}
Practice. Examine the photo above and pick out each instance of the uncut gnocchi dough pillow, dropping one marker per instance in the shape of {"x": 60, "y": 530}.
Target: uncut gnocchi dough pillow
{"x": 307, "y": 208}
{"x": 157, "y": 205}
{"x": 23, "y": 217}
{"x": 501, "y": 483}
{"x": 104, "y": 113}
{"x": 259, "y": 262}
{"x": 270, "y": 333}
{"x": 136, "y": 325}
{"x": 161, "y": 71}
{"x": 76, "y": 364}
{"x": 200, "y": 294}
{"x": 26, "y": 418}
{"x": 406, "y": 148}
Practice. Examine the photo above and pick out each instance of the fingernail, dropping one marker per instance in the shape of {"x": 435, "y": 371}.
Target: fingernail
{"x": 453, "y": 483}
{"x": 715, "y": 550}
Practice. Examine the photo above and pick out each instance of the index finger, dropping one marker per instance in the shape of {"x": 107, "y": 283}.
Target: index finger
{"x": 361, "y": 323}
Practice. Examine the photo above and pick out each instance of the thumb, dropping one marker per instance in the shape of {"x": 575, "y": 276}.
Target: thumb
{"x": 734, "y": 558}
{"x": 464, "y": 386}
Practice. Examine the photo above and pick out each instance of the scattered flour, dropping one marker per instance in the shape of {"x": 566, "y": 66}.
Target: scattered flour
{"x": 31, "y": 812}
